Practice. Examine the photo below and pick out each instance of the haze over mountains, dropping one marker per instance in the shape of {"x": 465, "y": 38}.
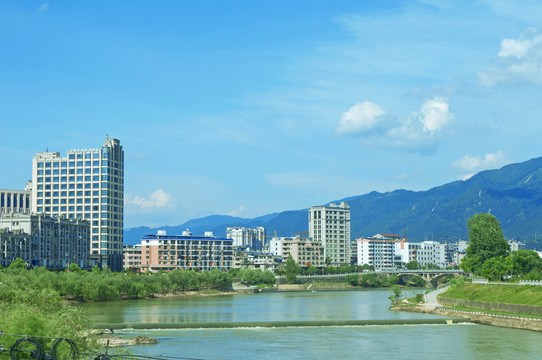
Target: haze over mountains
{"x": 513, "y": 194}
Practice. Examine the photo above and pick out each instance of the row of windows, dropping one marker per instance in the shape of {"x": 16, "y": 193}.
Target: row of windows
{"x": 80, "y": 186}
{"x": 65, "y": 164}
{"x": 104, "y": 215}
{"x": 108, "y": 193}
{"x": 80, "y": 178}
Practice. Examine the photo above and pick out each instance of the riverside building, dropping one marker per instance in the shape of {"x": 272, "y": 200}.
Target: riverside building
{"x": 330, "y": 226}
{"x": 85, "y": 184}
{"x": 168, "y": 252}
{"x": 253, "y": 238}
{"x": 41, "y": 240}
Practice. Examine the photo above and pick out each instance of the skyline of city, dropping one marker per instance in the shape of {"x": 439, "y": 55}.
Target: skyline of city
{"x": 248, "y": 109}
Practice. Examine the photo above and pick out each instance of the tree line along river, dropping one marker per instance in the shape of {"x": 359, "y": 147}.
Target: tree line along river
{"x": 419, "y": 341}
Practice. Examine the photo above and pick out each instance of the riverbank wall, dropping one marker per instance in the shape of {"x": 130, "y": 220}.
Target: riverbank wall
{"x": 479, "y": 317}
{"x": 511, "y": 308}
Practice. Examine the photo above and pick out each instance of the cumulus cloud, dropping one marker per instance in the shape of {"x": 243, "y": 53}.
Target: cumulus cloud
{"x": 420, "y": 131}
{"x": 157, "y": 199}
{"x": 360, "y": 118}
{"x": 473, "y": 164}
{"x": 43, "y": 7}
{"x": 518, "y": 61}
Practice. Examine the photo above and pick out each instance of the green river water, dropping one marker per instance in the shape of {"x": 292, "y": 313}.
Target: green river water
{"x": 457, "y": 341}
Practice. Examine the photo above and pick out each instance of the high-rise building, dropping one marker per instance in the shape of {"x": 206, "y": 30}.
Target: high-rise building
{"x": 330, "y": 225}
{"x": 254, "y": 238}
{"x": 86, "y": 184}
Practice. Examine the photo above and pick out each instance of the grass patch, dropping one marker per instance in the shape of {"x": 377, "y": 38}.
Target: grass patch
{"x": 507, "y": 294}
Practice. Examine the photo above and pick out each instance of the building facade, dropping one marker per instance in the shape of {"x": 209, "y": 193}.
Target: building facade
{"x": 86, "y": 184}
{"x": 15, "y": 201}
{"x": 304, "y": 252}
{"x": 253, "y": 238}
{"x": 132, "y": 257}
{"x": 168, "y": 252}
{"x": 41, "y": 240}
{"x": 330, "y": 226}
{"x": 381, "y": 251}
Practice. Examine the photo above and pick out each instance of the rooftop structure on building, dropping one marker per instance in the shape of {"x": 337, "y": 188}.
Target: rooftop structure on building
{"x": 15, "y": 201}
{"x": 85, "y": 184}
{"x": 330, "y": 226}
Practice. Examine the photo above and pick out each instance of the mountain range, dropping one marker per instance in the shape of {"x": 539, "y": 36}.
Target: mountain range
{"x": 512, "y": 193}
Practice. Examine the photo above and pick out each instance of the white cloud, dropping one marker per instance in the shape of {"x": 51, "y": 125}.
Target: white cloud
{"x": 360, "y": 118}
{"x": 43, "y": 7}
{"x": 420, "y": 131}
{"x": 472, "y": 164}
{"x": 157, "y": 199}
{"x": 238, "y": 212}
{"x": 518, "y": 61}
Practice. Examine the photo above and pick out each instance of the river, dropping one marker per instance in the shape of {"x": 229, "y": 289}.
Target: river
{"x": 457, "y": 341}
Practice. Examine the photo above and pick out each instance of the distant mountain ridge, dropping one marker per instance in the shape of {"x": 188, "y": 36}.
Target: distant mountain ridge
{"x": 512, "y": 193}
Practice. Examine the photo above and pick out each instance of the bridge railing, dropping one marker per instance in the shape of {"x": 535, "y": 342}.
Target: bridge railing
{"x": 390, "y": 271}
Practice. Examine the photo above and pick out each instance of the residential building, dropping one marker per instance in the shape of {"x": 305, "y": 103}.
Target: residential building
{"x": 15, "y": 201}
{"x": 382, "y": 251}
{"x": 168, "y": 252}
{"x": 253, "y": 238}
{"x": 85, "y": 184}
{"x": 41, "y": 240}
{"x": 304, "y": 252}
{"x": 432, "y": 252}
{"x": 132, "y": 257}
{"x": 516, "y": 245}
{"x": 330, "y": 226}
{"x": 275, "y": 245}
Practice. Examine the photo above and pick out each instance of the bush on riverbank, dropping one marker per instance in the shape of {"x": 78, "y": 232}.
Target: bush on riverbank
{"x": 29, "y": 306}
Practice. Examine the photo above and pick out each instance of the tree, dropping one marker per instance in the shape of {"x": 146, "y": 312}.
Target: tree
{"x": 494, "y": 268}
{"x": 291, "y": 269}
{"x": 486, "y": 241}
{"x": 413, "y": 265}
{"x": 524, "y": 261}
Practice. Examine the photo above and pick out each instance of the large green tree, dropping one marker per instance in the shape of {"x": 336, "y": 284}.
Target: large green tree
{"x": 486, "y": 241}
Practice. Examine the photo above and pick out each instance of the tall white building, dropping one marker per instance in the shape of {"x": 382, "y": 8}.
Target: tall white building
{"x": 86, "y": 184}
{"x": 330, "y": 226}
{"x": 254, "y": 238}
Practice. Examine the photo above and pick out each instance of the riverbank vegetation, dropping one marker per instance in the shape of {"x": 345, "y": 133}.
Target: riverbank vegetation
{"x": 506, "y": 294}
{"x": 488, "y": 253}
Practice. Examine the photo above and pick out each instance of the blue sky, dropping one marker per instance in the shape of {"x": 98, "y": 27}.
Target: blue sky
{"x": 253, "y": 107}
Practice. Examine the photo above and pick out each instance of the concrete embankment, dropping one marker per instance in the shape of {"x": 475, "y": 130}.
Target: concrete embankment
{"x": 514, "y": 322}
{"x": 315, "y": 287}
{"x": 269, "y": 324}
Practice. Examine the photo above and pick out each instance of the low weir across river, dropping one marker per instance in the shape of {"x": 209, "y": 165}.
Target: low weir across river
{"x": 305, "y": 325}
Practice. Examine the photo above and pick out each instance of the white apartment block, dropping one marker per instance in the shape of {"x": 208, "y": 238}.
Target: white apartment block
{"x": 432, "y": 252}
{"x": 253, "y": 238}
{"x": 42, "y": 240}
{"x": 381, "y": 251}
{"x": 330, "y": 226}
{"x": 86, "y": 184}
{"x": 275, "y": 245}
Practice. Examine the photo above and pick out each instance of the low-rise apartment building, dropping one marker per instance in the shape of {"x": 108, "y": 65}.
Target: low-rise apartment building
{"x": 304, "y": 252}
{"x": 168, "y": 252}
{"x": 41, "y": 240}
